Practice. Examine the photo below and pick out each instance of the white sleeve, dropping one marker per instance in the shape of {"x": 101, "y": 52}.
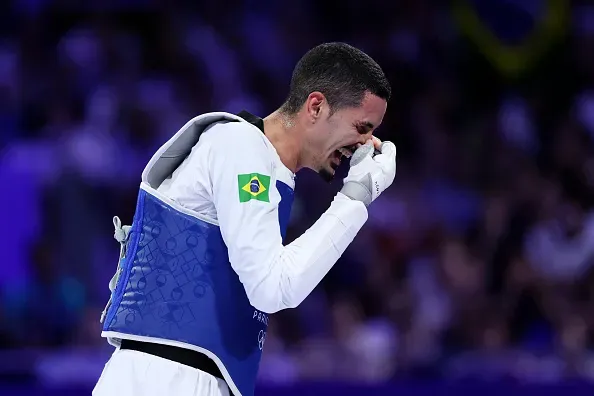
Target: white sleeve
{"x": 274, "y": 276}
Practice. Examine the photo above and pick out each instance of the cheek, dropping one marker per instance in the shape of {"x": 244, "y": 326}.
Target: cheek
{"x": 342, "y": 135}
{"x": 326, "y": 138}
{"x": 330, "y": 136}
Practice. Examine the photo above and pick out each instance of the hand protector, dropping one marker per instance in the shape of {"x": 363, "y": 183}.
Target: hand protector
{"x": 370, "y": 175}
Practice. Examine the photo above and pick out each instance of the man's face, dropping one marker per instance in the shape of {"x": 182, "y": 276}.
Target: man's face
{"x": 336, "y": 137}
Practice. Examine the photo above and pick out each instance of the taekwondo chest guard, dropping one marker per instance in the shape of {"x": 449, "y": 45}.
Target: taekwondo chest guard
{"x": 174, "y": 284}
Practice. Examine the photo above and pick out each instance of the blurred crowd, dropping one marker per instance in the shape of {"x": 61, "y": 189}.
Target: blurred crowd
{"x": 477, "y": 262}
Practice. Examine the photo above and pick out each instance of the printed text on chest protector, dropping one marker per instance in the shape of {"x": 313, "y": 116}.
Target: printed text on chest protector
{"x": 260, "y": 317}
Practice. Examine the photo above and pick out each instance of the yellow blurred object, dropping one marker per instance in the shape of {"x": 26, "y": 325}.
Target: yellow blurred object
{"x": 512, "y": 60}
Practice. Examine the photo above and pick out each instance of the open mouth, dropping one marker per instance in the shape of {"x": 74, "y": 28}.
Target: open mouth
{"x": 343, "y": 152}
{"x": 346, "y": 151}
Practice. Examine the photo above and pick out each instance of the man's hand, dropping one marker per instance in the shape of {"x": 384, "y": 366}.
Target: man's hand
{"x": 370, "y": 174}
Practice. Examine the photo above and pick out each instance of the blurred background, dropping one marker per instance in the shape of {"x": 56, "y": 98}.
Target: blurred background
{"x": 474, "y": 272}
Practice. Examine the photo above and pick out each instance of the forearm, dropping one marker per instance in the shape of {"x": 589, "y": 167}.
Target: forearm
{"x": 300, "y": 266}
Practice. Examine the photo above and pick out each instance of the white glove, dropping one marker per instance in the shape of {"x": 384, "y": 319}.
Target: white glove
{"x": 370, "y": 175}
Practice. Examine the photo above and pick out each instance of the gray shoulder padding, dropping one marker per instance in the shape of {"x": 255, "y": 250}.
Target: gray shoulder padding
{"x": 170, "y": 156}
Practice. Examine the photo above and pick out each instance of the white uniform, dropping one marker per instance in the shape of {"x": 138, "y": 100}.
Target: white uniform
{"x": 274, "y": 276}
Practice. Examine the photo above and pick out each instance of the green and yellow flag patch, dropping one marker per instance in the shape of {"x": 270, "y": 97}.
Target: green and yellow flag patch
{"x": 253, "y": 186}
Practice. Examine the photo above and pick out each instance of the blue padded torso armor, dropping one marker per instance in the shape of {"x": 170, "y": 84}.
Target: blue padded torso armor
{"x": 177, "y": 284}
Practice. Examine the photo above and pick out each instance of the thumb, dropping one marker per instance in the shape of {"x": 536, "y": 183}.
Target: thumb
{"x": 364, "y": 151}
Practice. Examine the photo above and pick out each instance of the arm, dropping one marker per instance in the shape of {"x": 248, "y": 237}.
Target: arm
{"x": 274, "y": 276}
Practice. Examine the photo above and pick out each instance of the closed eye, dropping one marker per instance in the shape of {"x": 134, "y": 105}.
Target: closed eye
{"x": 364, "y": 127}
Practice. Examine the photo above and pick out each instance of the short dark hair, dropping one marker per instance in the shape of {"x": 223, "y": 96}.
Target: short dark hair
{"x": 341, "y": 72}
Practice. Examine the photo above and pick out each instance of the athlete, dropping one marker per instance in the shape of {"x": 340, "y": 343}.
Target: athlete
{"x": 203, "y": 263}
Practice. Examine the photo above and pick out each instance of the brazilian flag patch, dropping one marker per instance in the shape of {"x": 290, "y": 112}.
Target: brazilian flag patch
{"x": 253, "y": 186}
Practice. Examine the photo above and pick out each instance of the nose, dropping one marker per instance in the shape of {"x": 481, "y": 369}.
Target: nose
{"x": 364, "y": 138}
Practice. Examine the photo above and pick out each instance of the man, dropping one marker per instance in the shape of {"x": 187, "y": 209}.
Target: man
{"x": 203, "y": 263}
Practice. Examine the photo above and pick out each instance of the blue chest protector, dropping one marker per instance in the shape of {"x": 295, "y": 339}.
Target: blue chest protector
{"x": 176, "y": 284}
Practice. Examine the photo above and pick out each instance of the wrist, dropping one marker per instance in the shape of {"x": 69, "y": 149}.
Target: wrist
{"x": 352, "y": 212}
{"x": 357, "y": 191}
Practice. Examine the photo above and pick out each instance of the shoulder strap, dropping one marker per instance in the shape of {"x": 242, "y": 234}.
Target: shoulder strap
{"x": 170, "y": 156}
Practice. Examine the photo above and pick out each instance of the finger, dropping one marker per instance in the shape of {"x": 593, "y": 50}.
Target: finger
{"x": 376, "y": 143}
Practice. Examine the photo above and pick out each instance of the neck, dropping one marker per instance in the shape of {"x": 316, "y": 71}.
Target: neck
{"x": 282, "y": 133}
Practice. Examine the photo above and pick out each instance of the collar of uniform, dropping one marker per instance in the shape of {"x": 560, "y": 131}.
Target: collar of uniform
{"x": 252, "y": 119}
{"x": 258, "y": 122}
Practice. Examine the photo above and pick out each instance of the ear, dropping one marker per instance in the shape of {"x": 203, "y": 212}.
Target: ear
{"x": 314, "y": 105}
